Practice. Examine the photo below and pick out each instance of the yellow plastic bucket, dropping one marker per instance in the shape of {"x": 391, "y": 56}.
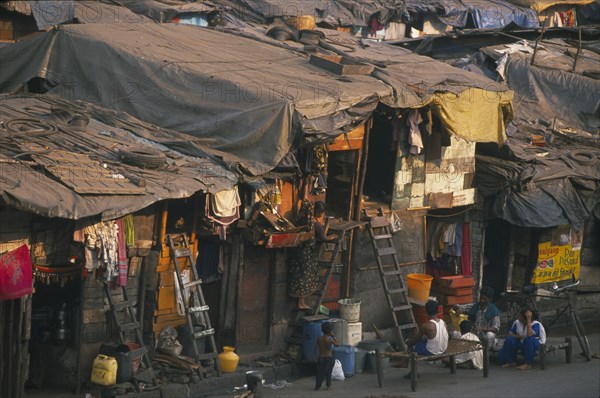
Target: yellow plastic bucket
{"x": 419, "y": 286}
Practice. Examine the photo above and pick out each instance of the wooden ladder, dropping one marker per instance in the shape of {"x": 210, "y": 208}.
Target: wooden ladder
{"x": 392, "y": 280}
{"x": 126, "y": 324}
{"x": 340, "y": 228}
{"x": 196, "y": 311}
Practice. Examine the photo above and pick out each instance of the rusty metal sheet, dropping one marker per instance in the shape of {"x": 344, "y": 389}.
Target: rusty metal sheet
{"x": 86, "y": 176}
{"x": 440, "y": 200}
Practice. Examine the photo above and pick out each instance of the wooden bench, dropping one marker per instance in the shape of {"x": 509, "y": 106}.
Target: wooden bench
{"x": 455, "y": 347}
{"x": 548, "y": 348}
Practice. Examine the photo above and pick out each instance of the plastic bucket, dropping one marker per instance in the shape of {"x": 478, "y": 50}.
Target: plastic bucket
{"x": 350, "y": 309}
{"x": 345, "y": 353}
{"x": 312, "y": 331}
{"x": 419, "y": 286}
{"x": 360, "y": 358}
{"x": 340, "y": 330}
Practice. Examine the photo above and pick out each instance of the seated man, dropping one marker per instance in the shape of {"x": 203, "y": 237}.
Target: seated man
{"x": 485, "y": 316}
{"x": 432, "y": 338}
{"x": 473, "y": 359}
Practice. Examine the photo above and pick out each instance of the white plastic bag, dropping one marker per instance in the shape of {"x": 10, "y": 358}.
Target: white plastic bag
{"x": 338, "y": 372}
{"x": 395, "y": 222}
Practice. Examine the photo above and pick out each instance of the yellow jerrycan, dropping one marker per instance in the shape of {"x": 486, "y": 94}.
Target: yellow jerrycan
{"x": 104, "y": 370}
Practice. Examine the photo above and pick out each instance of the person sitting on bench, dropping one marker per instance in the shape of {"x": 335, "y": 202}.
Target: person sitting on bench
{"x": 526, "y": 334}
{"x": 485, "y": 315}
{"x": 473, "y": 359}
{"x": 432, "y": 338}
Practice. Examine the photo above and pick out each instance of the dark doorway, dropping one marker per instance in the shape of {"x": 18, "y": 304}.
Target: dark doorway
{"x": 381, "y": 162}
{"x": 341, "y": 171}
{"x": 254, "y": 303}
{"x": 495, "y": 266}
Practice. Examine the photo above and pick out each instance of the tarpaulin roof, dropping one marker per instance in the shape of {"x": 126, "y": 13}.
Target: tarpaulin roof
{"x": 485, "y": 13}
{"x": 541, "y": 5}
{"x": 166, "y": 10}
{"x": 243, "y": 100}
{"x": 43, "y": 142}
{"x": 551, "y": 187}
{"x": 237, "y": 98}
{"x": 48, "y": 13}
{"x": 550, "y": 88}
{"x": 556, "y": 181}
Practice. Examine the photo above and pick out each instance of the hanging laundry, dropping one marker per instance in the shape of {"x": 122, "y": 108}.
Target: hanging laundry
{"x": 414, "y": 138}
{"x": 121, "y": 252}
{"x": 129, "y": 230}
{"x": 227, "y": 208}
{"x": 466, "y": 252}
{"x": 16, "y": 274}
{"x": 226, "y": 202}
{"x": 107, "y": 246}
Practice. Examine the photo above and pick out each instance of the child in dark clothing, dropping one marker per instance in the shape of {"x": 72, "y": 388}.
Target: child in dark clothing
{"x": 325, "y": 345}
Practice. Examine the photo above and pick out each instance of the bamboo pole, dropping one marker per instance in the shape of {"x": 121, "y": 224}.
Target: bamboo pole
{"x": 400, "y": 265}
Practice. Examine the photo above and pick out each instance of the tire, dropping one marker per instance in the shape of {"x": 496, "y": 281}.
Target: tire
{"x": 142, "y": 157}
{"x": 584, "y": 157}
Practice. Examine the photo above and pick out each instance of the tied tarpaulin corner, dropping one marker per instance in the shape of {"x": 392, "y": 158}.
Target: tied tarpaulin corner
{"x": 15, "y": 274}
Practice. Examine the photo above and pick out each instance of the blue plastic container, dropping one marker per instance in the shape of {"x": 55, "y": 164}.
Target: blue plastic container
{"x": 345, "y": 353}
{"x": 312, "y": 331}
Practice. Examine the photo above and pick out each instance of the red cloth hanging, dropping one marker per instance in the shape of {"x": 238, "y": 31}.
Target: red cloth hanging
{"x": 16, "y": 274}
{"x": 466, "y": 252}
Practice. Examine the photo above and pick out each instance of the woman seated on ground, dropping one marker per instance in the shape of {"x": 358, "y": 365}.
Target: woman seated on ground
{"x": 526, "y": 334}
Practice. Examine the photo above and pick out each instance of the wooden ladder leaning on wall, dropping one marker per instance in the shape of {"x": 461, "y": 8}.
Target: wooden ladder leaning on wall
{"x": 196, "y": 311}
{"x": 394, "y": 287}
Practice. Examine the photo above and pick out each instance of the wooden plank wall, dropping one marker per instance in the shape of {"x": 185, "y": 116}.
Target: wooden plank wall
{"x": 15, "y": 315}
{"x": 15, "y": 332}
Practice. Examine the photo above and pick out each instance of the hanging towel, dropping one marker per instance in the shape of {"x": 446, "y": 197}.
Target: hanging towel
{"x": 414, "y": 139}
{"x": 226, "y": 202}
{"x": 129, "y": 230}
{"x": 16, "y": 277}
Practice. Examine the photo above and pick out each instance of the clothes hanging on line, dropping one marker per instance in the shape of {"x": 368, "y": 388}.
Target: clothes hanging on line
{"x": 445, "y": 238}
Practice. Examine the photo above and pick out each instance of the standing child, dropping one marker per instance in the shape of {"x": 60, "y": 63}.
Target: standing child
{"x": 325, "y": 345}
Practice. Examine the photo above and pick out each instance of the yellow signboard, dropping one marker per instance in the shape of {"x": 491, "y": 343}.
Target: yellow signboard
{"x": 556, "y": 263}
